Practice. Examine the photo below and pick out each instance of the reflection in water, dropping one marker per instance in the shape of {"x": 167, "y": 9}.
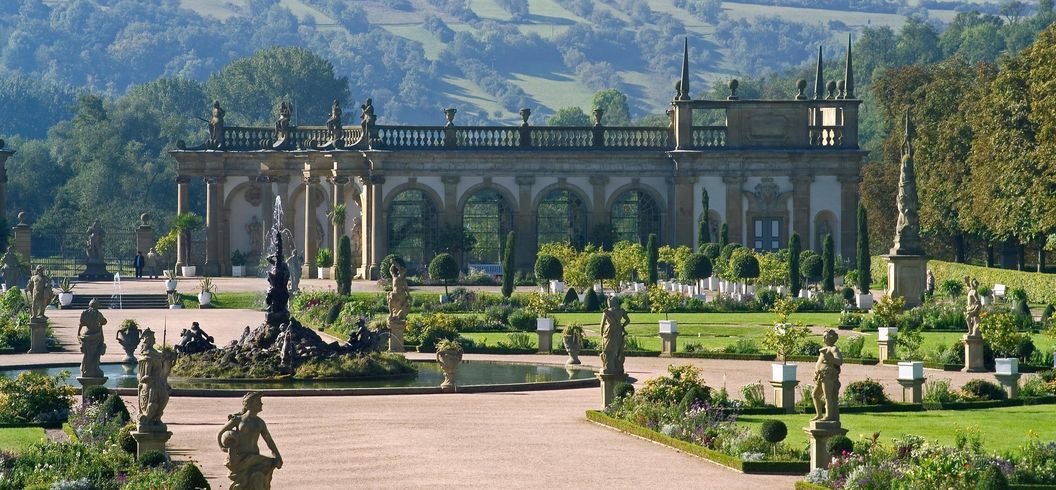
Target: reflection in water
{"x": 429, "y": 374}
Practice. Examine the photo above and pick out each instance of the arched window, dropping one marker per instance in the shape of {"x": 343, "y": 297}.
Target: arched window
{"x": 412, "y": 226}
{"x": 634, "y": 216}
{"x": 487, "y": 218}
{"x": 562, "y": 217}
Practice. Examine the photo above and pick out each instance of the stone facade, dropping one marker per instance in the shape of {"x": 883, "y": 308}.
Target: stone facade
{"x": 773, "y": 167}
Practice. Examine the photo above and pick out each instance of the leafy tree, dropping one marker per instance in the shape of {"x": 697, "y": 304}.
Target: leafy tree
{"x": 744, "y": 266}
{"x": 599, "y": 267}
{"x": 569, "y": 116}
{"x": 613, "y": 104}
{"x": 444, "y": 267}
{"x": 548, "y": 268}
{"x": 343, "y": 275}
{"x": 918, "y": 42}
{"x": 810, "y": 267}
{"x": 828, "y": 266}
{"x": 629, "y": 258}
{"x": 793, "y": 265}
{"x": 507, "y": 266}
{"x": 653, "y": 254}
{"x": 698, "y": 266}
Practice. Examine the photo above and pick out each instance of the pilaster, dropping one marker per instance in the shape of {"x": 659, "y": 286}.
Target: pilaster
{"x": 311, "y": 242}
{"x": 600, "y": 216}
{"x": 526, "y": 224}
{"x": 801, "y": 205}
{"x": 735, "y": 206}
{"x": 212, "y": 227}
{"x": 684, "y": 225}
{"x": 848, "y": 214}
{"x": 182, "y": 206}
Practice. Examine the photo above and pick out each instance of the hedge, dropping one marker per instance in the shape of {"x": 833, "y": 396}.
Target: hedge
{"x": 802, "y": 485}
{"x": 1040, "y": 288}
{"x": 765, "y": 357}
{"x": 751, "y": 467}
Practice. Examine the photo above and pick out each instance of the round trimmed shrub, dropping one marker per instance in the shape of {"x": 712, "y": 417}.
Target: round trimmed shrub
{"x": 549, "y": 268}
{"x": 114, "y": 407}
{"x": 599, "y": 267}
{"x": 992, "y": 478}
{"x": 712, "y": 251}
{"x": 696, "y": 395}
{"x": 189, "y": 477}
{"x": 570, "y": 296}
{"x": 745, "y": 266}
{"x": 811, "y": 267}
{"x": 125, "y": 439}
{"x": 444, "y": 268}
{"x": 1025, "y": 348}
{"x": 766, "y": 298}
{"x": 623, "y": 389}
{"x": 96, "y": 394}
{"x": 848, "y": 294}
{"x": 697, "y": 266}
{"x": 981, "y": 389}
{"x": 773, "y": 431}
{"x": 839, "y": 445}
{"x": 727, "y": 251}
{"x": 591, "y": 302}
{"x": 865, "y": 392}
{"x": 521, "y": 320}
{"x": 386, "y": 263}
{"x": 151, "y": 459}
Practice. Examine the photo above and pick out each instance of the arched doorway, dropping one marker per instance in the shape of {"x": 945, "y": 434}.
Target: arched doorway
{"x": 635, "y": 215}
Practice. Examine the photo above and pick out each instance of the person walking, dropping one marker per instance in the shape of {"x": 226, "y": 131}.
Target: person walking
{"x": 138, "y": 264}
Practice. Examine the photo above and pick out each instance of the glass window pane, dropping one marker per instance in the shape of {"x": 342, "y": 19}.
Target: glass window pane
{"x": 634, "y": 216}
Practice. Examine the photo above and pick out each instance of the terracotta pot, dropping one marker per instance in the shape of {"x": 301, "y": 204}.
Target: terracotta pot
{"x": 573, "y": 344}
{"x": 449, "y": 360}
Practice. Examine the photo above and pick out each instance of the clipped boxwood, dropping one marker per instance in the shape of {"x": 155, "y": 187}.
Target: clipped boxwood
{"x": 189, "y": 477}
{"x": 839, "y": 445}
{"x": 865, "y": 392}
{"x": 570, "y": 296}
{"x": 96, "y": 394}
{"x": 151, "y": 459}
{"x": 773, "y": 431}
{"x": 591, "y": 302}
{"x": 981, "y": 389}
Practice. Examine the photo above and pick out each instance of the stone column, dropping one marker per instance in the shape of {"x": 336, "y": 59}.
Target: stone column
{"x": 524, "y": 256}
{"x": 819, "y": 432}
{"x": 785, "y": 394}
{"x": 973, "y": 354}
{"x": 735, "y": 206}
{"x": 311, "y": 243}
{"x": 801, "y": 206}
{"x": 848, "y": 215}
{"x": 338, "y": 229}
{"x": 267, "y": 201}
{"x": 373, "y": 226}
{"x": 212, "y": 227}
{"x": 182, "y": 206}
{"x": 23, "y": 241}
{"x": 600, "y": 216}
{"x": 683, "y": 222}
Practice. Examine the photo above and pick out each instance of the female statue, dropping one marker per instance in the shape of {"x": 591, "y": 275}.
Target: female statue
{"x": 827, "y": 380}
{"x": 90, "y": 333}
{"x": 249, "y": 470}
{"x": 613, "y": 330}
{"x": 154, "y": 389}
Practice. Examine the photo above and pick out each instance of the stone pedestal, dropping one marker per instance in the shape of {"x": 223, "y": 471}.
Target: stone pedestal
{"x": 1010, "y": 382}
{"x": 150, "y": 441}
{"x": 668, "y": 344}
{"x": 87, "y": 382}
{"x": 886, "y": 349}
{"x": 973, "y": 354}
{"x": 38, "y": 338}
{"x": 785, "y": 394}
{"x": 906, "y": 277}
{"x": 912, "y": 390}
{"x": 96, "y": 271}
{"x": 396, "y": 328}
{"x": 23, "y": 241}
{"x": 608, "y": 387}
{"x": 546, "y": 341}
{"x": 819, "y": 432}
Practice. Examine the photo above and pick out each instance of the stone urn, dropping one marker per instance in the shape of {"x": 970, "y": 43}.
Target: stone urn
{"x": 573, "y": 344}
{"x": 65, "y": 299}
{"x": 448, "y": 355}
{"x": 205, "y": 298}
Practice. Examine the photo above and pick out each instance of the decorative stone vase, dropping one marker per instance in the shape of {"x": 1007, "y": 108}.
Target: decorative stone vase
{"x": 188, "y": 270}
{"x": 449, "y": 360}
{"x": 170, "y": 285}
{"x": 573, "y": 344}
{"x": 238, "y": 270}
{"x": 205, "y": 298}
{"x": 65, "y": 299}
{"x": 783, "y": 372}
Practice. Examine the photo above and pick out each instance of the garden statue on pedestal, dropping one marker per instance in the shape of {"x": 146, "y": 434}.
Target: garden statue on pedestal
{"x": 399, "y": 297}
{"x": 152, "y": 264}
{"x": 249, "y": 470}
{"x": 129, "y": 336}
{"x": 293, "y": 264}
{"x": 333, "y": 124}
{"x": 826, "y": 424}
{"x": 614, "y": 323}
{"x": 95, "y": 266}
{"x": 277, "y": 300}
{"x": 216, "y": 127}
{"x": 40, "y": 293}
{"x": 93, "y": 346}
{"x": 973, "y": 308}
{"x": 154, "y": 390}
{"x": 282, "y": 127}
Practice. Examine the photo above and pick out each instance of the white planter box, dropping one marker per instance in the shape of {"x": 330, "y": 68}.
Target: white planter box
{"x": 803, "y": 293}
{"x": 713, "y": 283}
{"x": 175, "y": 307}
{"x": 582, "y": 297}
{"x": 1007, "y": 365}
{"x": 886, "y": 333}
{"x": 986, "y": 300}
{"x": 783, "y": 372}
{"x": 557, "y": 286}
{"x": 544, "y": 324}
{"x": 668, "y": 326}
{"x": 188, "y": 270}
{"x": 324, "y": 273}
{"x": 65, "y": 299}
{"x": 911, "y": 370}
{"x": 865, "y": 301}
{"x": 598, "y": 288}
{"x": 238, "y": 270}
{"x": 170, "y": 285}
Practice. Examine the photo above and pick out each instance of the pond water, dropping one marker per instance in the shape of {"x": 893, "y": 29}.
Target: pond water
{"x": 470, "y": 373}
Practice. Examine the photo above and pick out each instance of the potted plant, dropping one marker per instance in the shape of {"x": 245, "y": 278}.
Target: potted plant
{"x": 662, "y": 301}
{"x": 783, "y": 339}
{"x": 324, "y": 259}
{"x": 65, "y": 292}
{"x": 443, "y": 267}
{"x": 207, "y": 288}
{"x": 175, "y": 300}
{"x": 170, "y": 281}
{"x": 572, "y": 337}
{"x": 810, "y": 268}
{"x": 548, "y": 268}
{"x": 185, "y": 225}
{"x": 985, "y": 295}
{"x": 745, "y": 267}
{"x": 238, "y": 263}
{"x": 448, "y": 355}
{"x": 697, "y": 268}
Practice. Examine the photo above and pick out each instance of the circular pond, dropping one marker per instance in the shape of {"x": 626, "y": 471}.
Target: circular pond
{"x": 472, "y": 376}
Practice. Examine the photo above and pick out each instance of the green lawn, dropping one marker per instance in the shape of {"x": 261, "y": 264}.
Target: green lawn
{"x": 1001, "y": 429}
{"x": 245, "y": 301}
{"x": 16, "y": 439}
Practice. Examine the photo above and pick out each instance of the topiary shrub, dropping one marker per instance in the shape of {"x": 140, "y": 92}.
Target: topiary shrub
{"x": 151, "y": 459}
{"x": 189, "y": 477}
{"x": 840, "y": 445}
{"x": 981, "y": 389}
{"x": 571, "y": 297}
{"x": 992, "y": 478}
{"x": 444, "y": 268}
{"x": 623, "y": 390}
{"x": 696, "y": 396}
{"x": 828, "y": 265}
{"x": 1025, "y": 348}
{"x": 507, "y": 265}
{"x": 343, "y": 274}
{"x": 548, "y": 268}
{"x": 521, "y": 320}
{"x": 865, "y": 392}
{"x": 386, "y": 263}
{"x": 773, "y": 431}
{"x": 125, "y": 441}
{"x": 848, "y": 294}
{"x": 712, "y": 251}
{"x": 652, "y": 254}
{"x": 810, "y": 267}
{"x": 96, "y": 394}
{"x": 599, "y": 267}
{"x": 591, "y": 302}
{"x": 745, "y": 267}
{"x": 793, "y": 266}
{"x": 697, "y": 266}
{"x": 115, "y": 408}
